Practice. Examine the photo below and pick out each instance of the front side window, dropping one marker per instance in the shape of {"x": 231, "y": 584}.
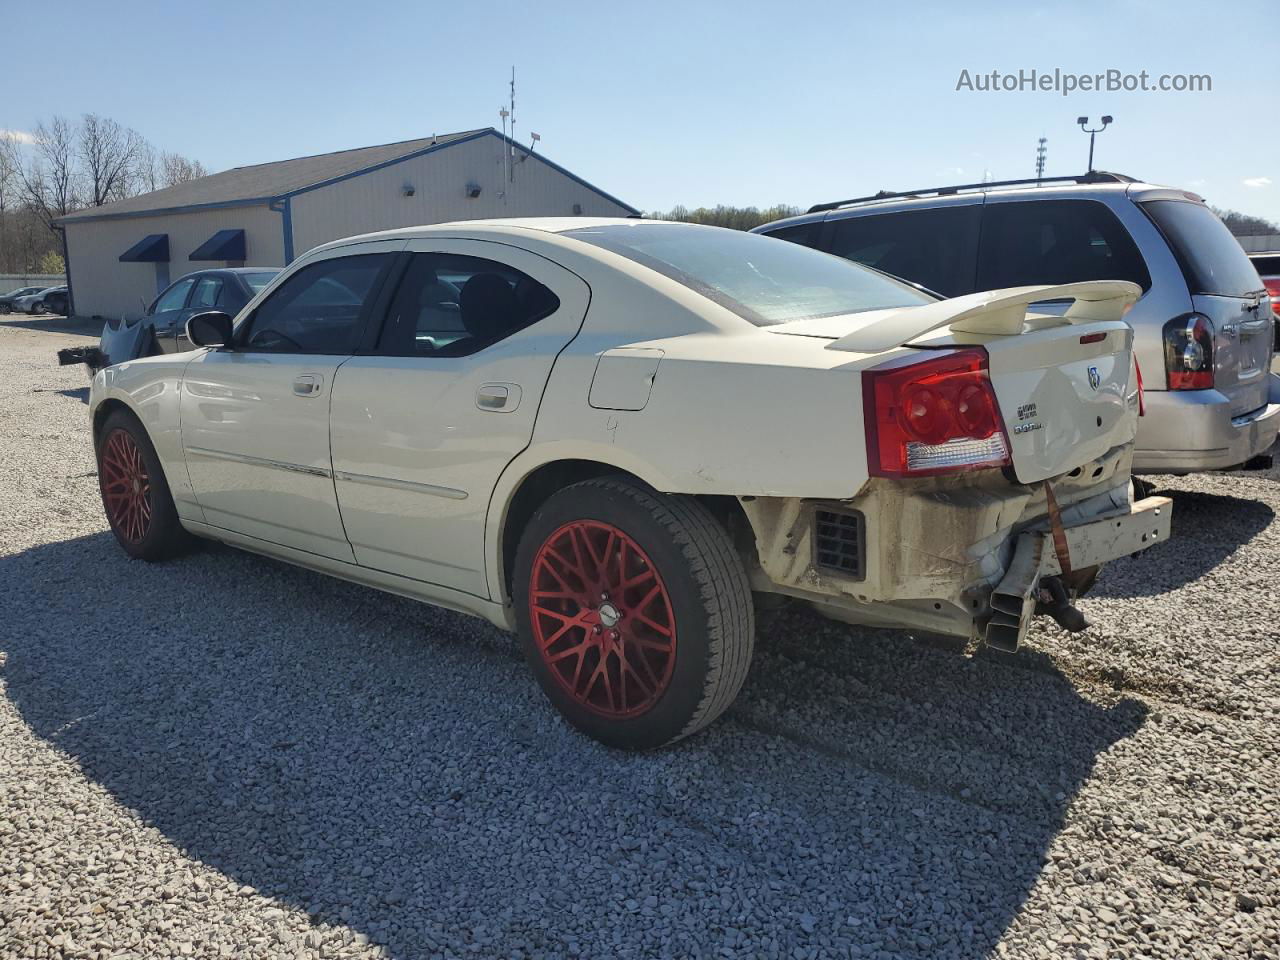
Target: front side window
{"x": 174, "y": 297}
{"x": 207, "y": 293}
{"x": 936, "y": 248}
{"x": 317, "y": 310}
{"x": 1055, "y": 242}
{"x": 451, "y": 305}
{"x": 1211, "y": 259}
{"x": 762, "y": 280}
{"x": 805, "y": 234}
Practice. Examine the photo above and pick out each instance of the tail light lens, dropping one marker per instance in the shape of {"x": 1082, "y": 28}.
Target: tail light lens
{"x": 1142, "y": 395}
{"x": 1188, "y": 352}
{"x": 933, "y": 416}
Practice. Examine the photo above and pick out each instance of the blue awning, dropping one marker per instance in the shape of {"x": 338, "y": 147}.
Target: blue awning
{"x": 223, "y": 245}
{"x": 153, "y": 248}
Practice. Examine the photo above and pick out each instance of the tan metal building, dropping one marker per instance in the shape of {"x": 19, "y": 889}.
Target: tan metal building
{"x": 119, "y": 256}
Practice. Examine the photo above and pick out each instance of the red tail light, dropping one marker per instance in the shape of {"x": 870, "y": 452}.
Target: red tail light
{"x": 1142, "y": 396}
{"x": 937, "y": 415}
{"x": 1188, "y": 352}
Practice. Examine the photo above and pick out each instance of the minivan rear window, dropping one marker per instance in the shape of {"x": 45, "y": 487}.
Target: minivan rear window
{"x": 1211, "y": 259}
{"x": 1268, "y": 266}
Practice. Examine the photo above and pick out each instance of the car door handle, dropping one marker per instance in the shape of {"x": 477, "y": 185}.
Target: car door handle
{"x": 307, "y": 385}
{"x": 498, "y": 397}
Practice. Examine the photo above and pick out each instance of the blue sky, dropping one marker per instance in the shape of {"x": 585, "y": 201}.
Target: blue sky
{"x": 689, "y": 102}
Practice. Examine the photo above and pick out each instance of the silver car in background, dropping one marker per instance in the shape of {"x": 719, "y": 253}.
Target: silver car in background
{"x": 1203, "y": 326}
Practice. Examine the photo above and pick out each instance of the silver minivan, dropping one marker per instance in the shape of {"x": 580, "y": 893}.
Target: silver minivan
{"x": 1203, "y": 329}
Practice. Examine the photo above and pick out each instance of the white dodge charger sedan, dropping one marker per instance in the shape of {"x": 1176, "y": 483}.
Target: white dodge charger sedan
{"x": 609, "y": 434}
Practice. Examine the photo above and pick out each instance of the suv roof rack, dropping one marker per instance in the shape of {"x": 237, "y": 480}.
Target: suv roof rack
{"x": 1093, "y": 176}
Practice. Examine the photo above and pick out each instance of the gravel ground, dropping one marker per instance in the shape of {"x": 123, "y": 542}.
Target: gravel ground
{"x": 224, "y": 756}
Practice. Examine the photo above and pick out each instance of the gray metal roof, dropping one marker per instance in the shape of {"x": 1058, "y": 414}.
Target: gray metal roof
{"x": 264, "y": 181}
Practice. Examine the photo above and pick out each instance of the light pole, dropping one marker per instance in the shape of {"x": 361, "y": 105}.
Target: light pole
{"x": 1092, "y": 133}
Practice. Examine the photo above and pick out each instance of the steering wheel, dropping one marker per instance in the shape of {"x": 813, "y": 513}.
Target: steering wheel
{"x": 257, "y": 340}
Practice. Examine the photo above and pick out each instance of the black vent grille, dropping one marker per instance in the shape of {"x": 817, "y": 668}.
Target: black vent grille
{"x": 838, "y": 543}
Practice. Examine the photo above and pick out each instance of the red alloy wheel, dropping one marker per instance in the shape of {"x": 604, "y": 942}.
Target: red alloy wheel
{"x": 126, "y": 486}
{"x": 602, "y": 618}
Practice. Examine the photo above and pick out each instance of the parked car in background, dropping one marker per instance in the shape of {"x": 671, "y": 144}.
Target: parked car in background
{"x": 52, "y": 300}
{"x": 162, "y": 326}
{"x": 34, "y": 302}
{"x": 7, "y": 301}
{"x": 1268, "y": 267}
{"x": 435, "y": 412}
{"x": 1203, "y": 334}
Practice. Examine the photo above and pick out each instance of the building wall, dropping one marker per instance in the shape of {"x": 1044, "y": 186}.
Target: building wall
{"x": 103, "y": 286}
{"x": 376, "y": 201}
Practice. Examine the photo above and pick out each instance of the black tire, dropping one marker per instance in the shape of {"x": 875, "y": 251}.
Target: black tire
{"x": 164, "y": 535}
{"x": 709, "y": 600}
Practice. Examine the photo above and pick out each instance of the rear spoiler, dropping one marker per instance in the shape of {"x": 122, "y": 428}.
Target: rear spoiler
{"x": 991, "y": 312}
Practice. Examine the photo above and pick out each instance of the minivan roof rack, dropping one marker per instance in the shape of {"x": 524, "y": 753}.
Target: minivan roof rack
{"x": 1093, "y": 176}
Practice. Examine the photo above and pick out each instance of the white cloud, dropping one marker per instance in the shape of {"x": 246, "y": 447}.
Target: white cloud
{"x": 951, "y": 172}
{"x": 1257, "y": 182}
{"x": 20, "y": 135}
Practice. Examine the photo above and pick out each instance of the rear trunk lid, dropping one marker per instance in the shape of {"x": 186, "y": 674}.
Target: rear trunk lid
{"x": 1226, "y": 289}
{"x": 1065, "y": 384}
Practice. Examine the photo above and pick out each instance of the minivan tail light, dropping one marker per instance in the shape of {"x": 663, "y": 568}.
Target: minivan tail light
{"x": 1188, "y": 352}
{"x": 932, "y": 416}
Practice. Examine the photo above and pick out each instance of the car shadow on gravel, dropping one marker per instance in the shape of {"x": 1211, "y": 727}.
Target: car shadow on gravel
{"x": 1216, "y": 524}
{"x": 392, "y": 767}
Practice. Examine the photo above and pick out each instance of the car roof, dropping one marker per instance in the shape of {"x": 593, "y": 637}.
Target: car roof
{"x": 1134, "y": 190}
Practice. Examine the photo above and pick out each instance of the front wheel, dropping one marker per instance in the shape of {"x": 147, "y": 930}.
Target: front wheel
{"x": 634, "y": 610}
{"x": 135, "y": 494}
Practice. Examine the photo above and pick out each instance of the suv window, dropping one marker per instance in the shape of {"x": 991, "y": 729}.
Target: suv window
{"x": 1055, "y": 241}
{"x": 1266, "y": 266}
{"x": 207, "y": 291}
{"x": 805, "y": 234}
{"x": 1211, "y": 259}
{"x": 935, "y": 248}
{"x": 318, "y": 309}
{"x": 451, "y": 305}
{"x": 174, "y": 297}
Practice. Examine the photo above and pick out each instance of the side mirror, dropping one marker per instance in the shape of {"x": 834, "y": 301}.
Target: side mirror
{"x": 209, "y": 329}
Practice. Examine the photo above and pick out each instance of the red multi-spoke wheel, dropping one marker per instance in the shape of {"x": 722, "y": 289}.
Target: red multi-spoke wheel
{"x": 602, "y": 618}
{"x": 634, "y": 611}
{"x": 135, "y": 494}
{"x": 126, "y": 486}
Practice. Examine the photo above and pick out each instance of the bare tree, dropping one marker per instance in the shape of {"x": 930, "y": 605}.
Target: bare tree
{"x": 47, "y": 180}
{"x": 146, "y": 176}
{"x": 107, "y": 153}
{"x": 8, "y": 178}
{"x": 176, "y": 169}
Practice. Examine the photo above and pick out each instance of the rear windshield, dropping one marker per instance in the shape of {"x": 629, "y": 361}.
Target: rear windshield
{"x": 1268, "y": 266}
{"x": 257, "y": 281}
{"x": 763, "y": 280}
{"x": 1212, "y": 260}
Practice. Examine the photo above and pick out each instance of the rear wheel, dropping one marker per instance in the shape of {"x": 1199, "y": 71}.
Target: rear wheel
{"x": 135, "y": 494}
{"x": 634, "y": 612}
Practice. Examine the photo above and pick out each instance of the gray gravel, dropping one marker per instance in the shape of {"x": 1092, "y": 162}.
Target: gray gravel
{"x": 226, "y": 757}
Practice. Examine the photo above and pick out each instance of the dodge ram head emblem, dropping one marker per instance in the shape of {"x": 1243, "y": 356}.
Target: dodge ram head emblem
{"x": 1095, "y": 378}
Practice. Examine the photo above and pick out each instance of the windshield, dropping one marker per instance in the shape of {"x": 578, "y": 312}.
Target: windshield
{"x": 1212, "y": 260}
{"x": 761, "y": 279}
{"x": 257, "y": 281}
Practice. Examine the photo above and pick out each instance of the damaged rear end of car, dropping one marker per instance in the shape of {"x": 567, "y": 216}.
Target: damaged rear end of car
{"x": 999, "y": 449}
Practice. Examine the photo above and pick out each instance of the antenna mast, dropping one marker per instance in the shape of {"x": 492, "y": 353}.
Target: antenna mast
{"x": 1041, "y": 150}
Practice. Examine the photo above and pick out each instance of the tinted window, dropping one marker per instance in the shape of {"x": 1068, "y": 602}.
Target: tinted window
{"x": 805, "y": 234}
{"x": 174, "y": 297}
{"x": 207, "y": 292}
{"x": 1211, "y": 259}
{"x": 1267, "y": 266}
{"x": 318, "y": 309}
{"x": 761, "y": 279}
{"x": 1055, "y": 241}
{"x": 935, "y": 248}
{"x": 449, "y": 305}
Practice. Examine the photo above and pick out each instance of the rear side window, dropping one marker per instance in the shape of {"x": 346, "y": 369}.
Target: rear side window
{"x": 1211, "y": 259}
{"x": 449, "y": 305}
{"x": 1268, "y": 266}
{"x": 318, "y": 309}
{"x": 1056, "y": 241}
{"x": 937, "y": 248}
{"x": 805, "y": 234}
{"x": 207, "y": 292}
